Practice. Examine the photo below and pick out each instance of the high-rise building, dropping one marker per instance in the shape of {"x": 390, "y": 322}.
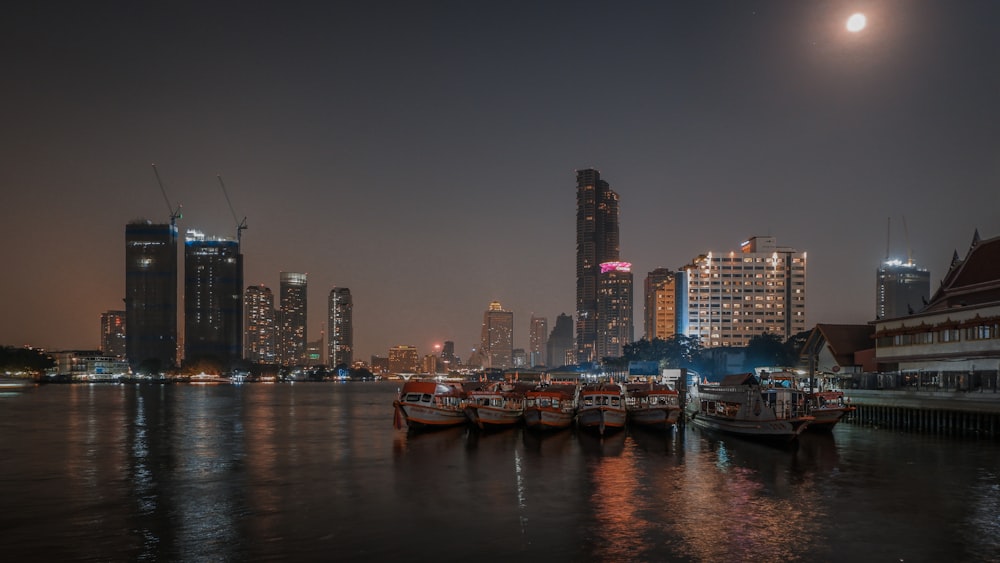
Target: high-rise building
{"x": 615, "y": 327}
{"x": 902, "y": 289}
{"x": 292, "y": 349}
{"x": 113, "y": 334}
{"x": 596, "y": 243}
{"x": 151, "y": 296}
{"x": 732, "y": 297}
{"x": 660, "y": 298}
{"x": 448, "y": 357}
{"x": 403, "y": 359}
{"x": 260, "y": 344}
{"x": 496, "y": 344}
{"x": 538, "y": 333}
{"x": 213, "y": 300}
{"x": 560, "y": 349}
{"x": 340, "y": 329}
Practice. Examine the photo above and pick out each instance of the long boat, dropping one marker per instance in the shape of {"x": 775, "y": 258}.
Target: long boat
{"x": 740, "y": 405}
{"x": 428, "y": 404}
{"x": 550, "y": 407}
{"x": 601, "y": 408}
{"x": 827, "y": 408}
{"x": 652, "y": 405}
{"x": 497, "y": 406}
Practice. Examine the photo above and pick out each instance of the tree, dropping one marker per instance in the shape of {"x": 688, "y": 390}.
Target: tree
{"x": 765, "y": 350}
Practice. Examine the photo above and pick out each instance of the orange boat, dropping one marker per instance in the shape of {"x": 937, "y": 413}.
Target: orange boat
{"x": 424, "y": 405}
{"x": 550, "y": 407}
{"x": 652, "y": 405}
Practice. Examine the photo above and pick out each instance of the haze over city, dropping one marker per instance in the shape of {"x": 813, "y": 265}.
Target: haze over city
{"x": 424, "y": 154}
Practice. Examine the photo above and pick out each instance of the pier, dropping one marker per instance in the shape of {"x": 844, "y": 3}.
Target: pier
{"x": 946, "y": 413}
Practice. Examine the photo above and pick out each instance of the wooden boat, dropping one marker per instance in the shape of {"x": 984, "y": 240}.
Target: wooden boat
{"x": 430, "y": 404}
{"x": 652, "y": 405}
{"x": 497, "y": 406}
{"x": 550, "y": 407}
{"x": 827, "y": 408}
{"x": 601, "y": 408}
{"x": 741, "y": 405}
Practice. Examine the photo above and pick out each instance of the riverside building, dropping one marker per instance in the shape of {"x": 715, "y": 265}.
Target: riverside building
{"x": 150, "y": 296}
{"x": 260, "y": 344}
{"x": 340, "y": 327}
{"x": 213, "y": 300}
{"x": 292, "y": 343}
{"x": 596, "y": 243}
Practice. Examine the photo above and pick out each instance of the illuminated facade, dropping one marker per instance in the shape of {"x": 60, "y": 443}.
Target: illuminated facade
{"x": 733, "y": 297}
{"x": 660, "y": 291}
{"x": 260, "y": 344}
{"x": 496, "y": 343}
{"x": 340, "y": 327}
{"x": 538, "y": 333}
{"x": 213, "y": 301}
{"x": 113, "y": 334}
{"x": 596, "y": 242}
{"x": 403, "y": 359}
{"x": 292, "y": 333}
{"x": 151, "y": 295}
{"x": 614, "y": 313}
{"x": 901, "y": 289}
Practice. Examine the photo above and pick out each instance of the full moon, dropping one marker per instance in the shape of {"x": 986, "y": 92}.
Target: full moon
{"x": 856, "y": 23}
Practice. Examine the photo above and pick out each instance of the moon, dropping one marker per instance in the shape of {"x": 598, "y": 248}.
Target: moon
{"x": 856, "y": 22}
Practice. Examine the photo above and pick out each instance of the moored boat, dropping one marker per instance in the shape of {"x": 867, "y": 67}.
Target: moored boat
{"x": 740, "y": 405}
{"x": 550, "y": 407}
{"x": 652, "y": 405}
{"x": 497, "y": 406}
{"x": 827, "y": 408}
{"x": 601, "y": 408}
{"x": 425, "y": 405}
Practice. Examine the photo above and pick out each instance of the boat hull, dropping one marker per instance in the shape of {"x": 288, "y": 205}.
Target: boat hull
{"x": 601, "y": 419}
{"x": 825, "y": 419}
{"x": 654, "y": 417}
{"x": 548, "y": 419}
{"x": 493, "y": 418}
{"x": 787, "y": 429}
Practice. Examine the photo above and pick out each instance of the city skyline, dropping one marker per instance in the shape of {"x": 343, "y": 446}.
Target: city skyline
{"x": 363, "y": 145}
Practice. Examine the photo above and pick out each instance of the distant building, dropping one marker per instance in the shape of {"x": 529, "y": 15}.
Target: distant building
{"x": 88, "y": 365}
{"x": 314, "y": 352}
{"x": 380, "y": 364}
{"x": 496, "y": 345}
{"x": 448, "y": 358}
{"x": 901, "y": 289}
{"x": 403, "y": 359}
{"x": 519, "y": 358}
{"x": 660, "y": 294}
{"x": 113, "y": 334}
{"x": 340, "y": 327}
{"x": 292, "y": 348}
{"x": 430, "y": 364}
{"x": 735, "y": 296}
{"x": 213, "y": 300}
{"x": 538, "y": 336}
{"x": 260, "y": 343}
{"x": 151, "y": 295}
{"x": 615, "y": 327}
{"x": 597, "y": 242}
{"x": 560, "y": 348}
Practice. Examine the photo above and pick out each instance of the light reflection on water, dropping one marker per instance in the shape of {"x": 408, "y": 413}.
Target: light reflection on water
{"x": 316, "y": 472}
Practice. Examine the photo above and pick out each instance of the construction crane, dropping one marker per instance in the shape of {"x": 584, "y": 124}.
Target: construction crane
{"x": 240, "y": 225}
{"x": 175, "y": 214}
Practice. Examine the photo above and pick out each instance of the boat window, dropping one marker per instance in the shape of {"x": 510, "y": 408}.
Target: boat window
{"x": 615, "y": 401}
{"x": 426, "y": 398}
{"x": 529, "y": 402}
{"x": 555, "y": 402}
{"x": 588, "y": 402}
{"x": 412, "y": 397}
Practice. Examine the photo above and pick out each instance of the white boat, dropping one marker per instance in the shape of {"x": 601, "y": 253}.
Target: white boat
{"x": 740, "y": 405}
{"x": 652, "y": 405}
{"x": 601, "y": 408}
{"x": 550, "y": 407}
{"x": 430, "y": 404}
{"x": 494, "y": 407}
{"x": 827, "y": 408}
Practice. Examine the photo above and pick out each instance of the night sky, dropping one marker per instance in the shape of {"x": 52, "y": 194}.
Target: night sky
{"x": 423, "y": 154}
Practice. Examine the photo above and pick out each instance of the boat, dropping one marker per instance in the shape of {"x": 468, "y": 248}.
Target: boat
{"x": 827, "y": 408}
{"x": 494, "y": 407}
{"x": 740, "y": 405}
{"x": 428, "y": 404}
{"x": 208, "y": 379}
{"x": 550, "y": 407}
{"x": 601, "y": 408}
{"x": 652, "y": 405}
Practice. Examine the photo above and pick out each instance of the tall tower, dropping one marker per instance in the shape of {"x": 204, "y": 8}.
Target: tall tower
{"x": 151, "y": 296}
{"x": 559, "y": 349}
{"x": 615, "y": 327}
{"x": 901, "y": 289}
{"x": 596, "y": 242}
{"x": 496, "y": 345}
{"x": 260, "y": 345}
{"x": 213, "y": 300}
{"x": 537, "y": 339}
{"x": 660, "y": 298}
{"x": 113, "y": 334}
{"x": 292, "y": 349}
{"x": 340, "y": 327}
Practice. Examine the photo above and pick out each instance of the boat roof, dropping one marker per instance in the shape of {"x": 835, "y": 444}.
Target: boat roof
{"x": 740, "y": 379}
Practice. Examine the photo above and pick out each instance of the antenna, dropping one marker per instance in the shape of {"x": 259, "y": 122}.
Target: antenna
{"x": 240, "y": 225}
{"x": 174, "y": 213}
{"x": 906, "y": 233}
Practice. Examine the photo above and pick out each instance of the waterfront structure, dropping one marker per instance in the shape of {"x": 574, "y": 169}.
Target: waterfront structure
{"x": 496, "y": 344}
{"x": 292, "y": 348}
{"x": 560, "y": 349}
{"x": 901, "y": 289}
{"x": 340, "y": 327}
{"x": 615, "y": 327}
{"x": 113, "y": 334}
{"x": 88, "y": 365}
{"x": 260, "y": 342}
{"x": 660, "y": 296}
{"x": 402, "y": 359}
{"x": 839, "y": 350}
{"x": 538, "y": 332}
{"x": 596, "y": 243}
{"x": 151, "y": 295}
{"x": 213, "y": 300}
{"x": 953, "y": 342}
{"x": 732, "y": 297}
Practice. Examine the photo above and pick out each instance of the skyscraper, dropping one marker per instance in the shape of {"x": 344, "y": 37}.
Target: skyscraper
{"x": 292, "y": 349}
{"x": 213, "y": 301}
{"x": 538, "y": 333}
{"x": 615, "y": 327}
{"x": 901, "y": 289}
{"x": 496, "y": 345}
{"x": 150, "y": 296}
{"x": 559, "y": 350}
{"x": 448, "y": 357}
{"x": 113, "y": 333}
{"x": 403, "y": 359}
{"x": 340, "y": 329}
{"x": 261, "y": 343}
{"x": 596, "y": 242}
{"x": 660, "y": 292}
